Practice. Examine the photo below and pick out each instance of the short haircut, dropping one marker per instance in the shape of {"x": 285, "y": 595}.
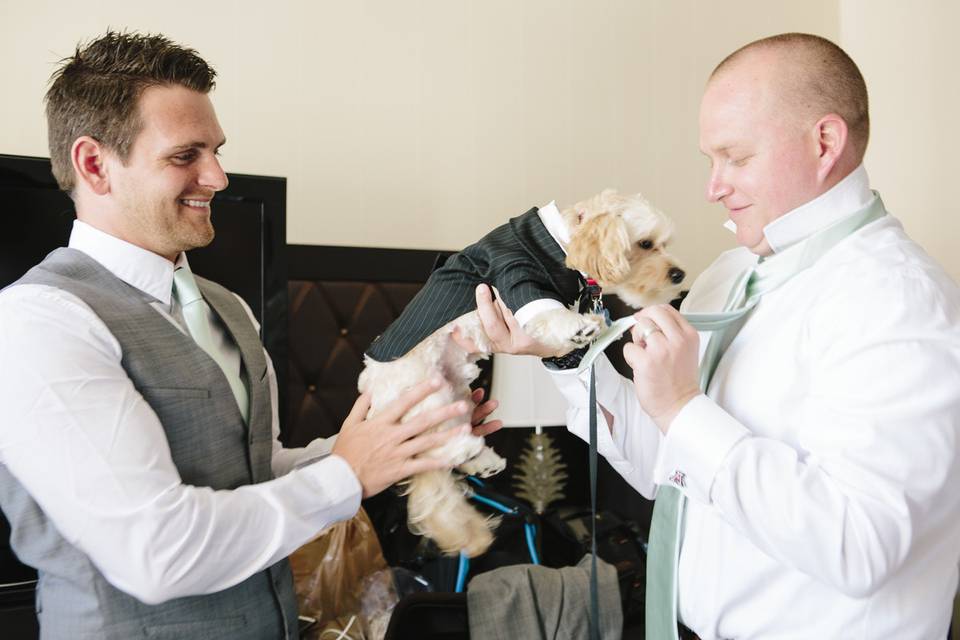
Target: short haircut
{"x": 96, "y": 92}
{"x": 826, "y": 80}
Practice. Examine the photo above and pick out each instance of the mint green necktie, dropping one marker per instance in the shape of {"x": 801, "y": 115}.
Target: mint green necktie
{"x": 663, "y": 549}
{"x": 196, "y": 314}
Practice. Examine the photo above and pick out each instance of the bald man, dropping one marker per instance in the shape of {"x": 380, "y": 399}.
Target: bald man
{"x": 817, "y": 473}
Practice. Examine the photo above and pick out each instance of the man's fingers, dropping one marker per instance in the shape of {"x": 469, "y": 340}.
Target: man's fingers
{"x": 359, "y": 411}
{"x": 482, "y": 411}
{"x": 428, "y": 419}
{"x": 491, "y": 316}
{"x": 416, "y": 446}
{"x": 633, "y": 354}
{"x": 487, "y": 428}
{"x": 666, "y": 319}
{"x": 421, "y": 465}
{"x": 508, "y": 317}
{"x": 477, "y": 395}
{"x": 399, "y": 407}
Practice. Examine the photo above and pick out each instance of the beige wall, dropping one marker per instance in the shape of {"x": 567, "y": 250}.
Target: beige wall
{"x": 424, "y": 124}
{"x": 908, "y": 53}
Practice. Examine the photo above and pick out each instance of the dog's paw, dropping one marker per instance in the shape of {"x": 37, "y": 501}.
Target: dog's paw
{"x": 563, "y": 330}
{"x": 484, "y": 465}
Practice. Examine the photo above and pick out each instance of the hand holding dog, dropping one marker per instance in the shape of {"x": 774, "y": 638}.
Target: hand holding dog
{"x": 382, "y": 450}
{"x": 480, "y": 413}
{"x": 664, "y": 363}
{"x": 505, "y": 333}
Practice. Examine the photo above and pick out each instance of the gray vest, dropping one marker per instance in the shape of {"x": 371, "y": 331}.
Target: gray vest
{"x": 211, "y": 447}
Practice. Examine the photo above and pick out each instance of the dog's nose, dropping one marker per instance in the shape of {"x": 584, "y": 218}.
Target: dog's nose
{"x": 676, "y": 275}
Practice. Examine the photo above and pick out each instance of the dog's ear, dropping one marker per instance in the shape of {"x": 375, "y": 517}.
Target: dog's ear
{"x": 598, "y": 247}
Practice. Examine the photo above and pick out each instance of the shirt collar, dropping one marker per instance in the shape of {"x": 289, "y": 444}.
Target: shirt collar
{"x": 846, "y": 197}
{"x": 553, "y": 221}
{"x": 138, "y": 267}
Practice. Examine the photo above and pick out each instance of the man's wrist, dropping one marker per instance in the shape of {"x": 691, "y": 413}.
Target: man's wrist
{"x": 665, "y": 419}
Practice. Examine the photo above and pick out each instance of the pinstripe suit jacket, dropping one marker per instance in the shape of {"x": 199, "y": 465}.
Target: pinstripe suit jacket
{"x": 520, "y": 258}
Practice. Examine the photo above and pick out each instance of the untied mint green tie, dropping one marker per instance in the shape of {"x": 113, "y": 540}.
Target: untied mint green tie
{"x": 196, "y": 313}
{"x": 663, "y": 548}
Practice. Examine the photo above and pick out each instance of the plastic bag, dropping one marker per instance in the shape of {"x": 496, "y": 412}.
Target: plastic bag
{"x": 331, "y": 573}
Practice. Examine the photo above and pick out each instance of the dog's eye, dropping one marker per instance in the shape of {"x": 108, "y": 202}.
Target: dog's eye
{"x": 645, "y": 244}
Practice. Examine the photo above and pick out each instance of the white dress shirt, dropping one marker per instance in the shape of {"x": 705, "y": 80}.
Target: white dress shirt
{"x": 93, "y": 454}
{"x": 821, "y": 469}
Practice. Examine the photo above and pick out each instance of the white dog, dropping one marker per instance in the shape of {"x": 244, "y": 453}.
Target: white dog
{"x": 616, "y": 240}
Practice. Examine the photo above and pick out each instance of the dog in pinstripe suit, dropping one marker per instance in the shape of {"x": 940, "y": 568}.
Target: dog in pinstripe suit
{"x": 536, "y": 263}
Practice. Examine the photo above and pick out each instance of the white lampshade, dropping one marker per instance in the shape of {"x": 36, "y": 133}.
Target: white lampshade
{"x": 527, "y": 396}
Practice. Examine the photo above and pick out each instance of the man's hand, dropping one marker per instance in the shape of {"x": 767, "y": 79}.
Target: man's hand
{"x": 505, "y": 333}
{"x": 381, "y": 451}
{"x": 480, "y": 413}
{"x": 663, "y": 356}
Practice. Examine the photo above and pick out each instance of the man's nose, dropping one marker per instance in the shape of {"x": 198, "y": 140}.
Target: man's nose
{"x": 676, "y": 275}
{"x": 717, "y": 188}
{"x": 213, "y": 176}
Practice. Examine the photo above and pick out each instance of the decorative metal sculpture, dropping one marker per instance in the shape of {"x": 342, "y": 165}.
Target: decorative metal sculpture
{"x": 540, "y": 472}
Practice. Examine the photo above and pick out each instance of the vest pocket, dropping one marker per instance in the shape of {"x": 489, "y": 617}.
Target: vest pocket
{"x": 209, "y": 629}
{"x": 174, "y": 393}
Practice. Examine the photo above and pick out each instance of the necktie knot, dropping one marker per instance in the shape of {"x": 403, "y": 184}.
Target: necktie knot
{"x": 185, "y": 287}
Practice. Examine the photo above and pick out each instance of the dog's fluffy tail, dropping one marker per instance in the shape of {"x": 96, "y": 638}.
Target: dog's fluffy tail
{"x": 437, "y": 508}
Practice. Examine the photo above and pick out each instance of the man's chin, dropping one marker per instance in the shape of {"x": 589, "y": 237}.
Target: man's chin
{"x": 201, "y": 238}
{"x": 757, "y": 245}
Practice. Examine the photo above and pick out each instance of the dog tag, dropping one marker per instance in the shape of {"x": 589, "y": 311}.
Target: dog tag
{"x": 605, "y": 339}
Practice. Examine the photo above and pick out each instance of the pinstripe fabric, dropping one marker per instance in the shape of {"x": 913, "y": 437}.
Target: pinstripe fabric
{"x": 521, "y": 259}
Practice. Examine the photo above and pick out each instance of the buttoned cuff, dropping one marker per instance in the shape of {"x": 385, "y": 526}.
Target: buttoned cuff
{"x": 575, "y": 387}
{"x": 698, "y": 441}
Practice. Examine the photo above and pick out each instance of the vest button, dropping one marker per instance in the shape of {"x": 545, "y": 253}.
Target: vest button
{"x": 344, "y": 331}
{"x": 311, "y": 388}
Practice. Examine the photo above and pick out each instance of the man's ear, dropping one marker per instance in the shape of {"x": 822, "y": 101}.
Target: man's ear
{"x": 89, "y": 164}
{"x": 832, "y": 137}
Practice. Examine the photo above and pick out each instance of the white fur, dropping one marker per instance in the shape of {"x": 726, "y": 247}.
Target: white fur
{"x": 437, "y": 504}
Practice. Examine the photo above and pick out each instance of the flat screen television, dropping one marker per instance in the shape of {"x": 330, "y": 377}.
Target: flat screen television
{"x": 247, "y": 256}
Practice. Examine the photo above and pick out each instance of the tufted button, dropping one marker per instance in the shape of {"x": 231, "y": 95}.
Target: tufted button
{"x": 344, "y": 331}
{"x": 311, "y": 388}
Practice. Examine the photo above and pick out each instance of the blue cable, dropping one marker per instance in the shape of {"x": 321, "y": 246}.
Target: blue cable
{"x": 531, "y": 531}
{"x": 462, "y": 572}
{"x": 493, "y": 503}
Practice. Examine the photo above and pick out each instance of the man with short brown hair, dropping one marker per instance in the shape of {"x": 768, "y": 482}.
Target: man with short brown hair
{"x": 803, "y": 456}
{"x": 140, "y": 466}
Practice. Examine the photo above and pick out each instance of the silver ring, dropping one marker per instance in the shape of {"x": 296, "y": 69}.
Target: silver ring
{"x": 649, "y": 331}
